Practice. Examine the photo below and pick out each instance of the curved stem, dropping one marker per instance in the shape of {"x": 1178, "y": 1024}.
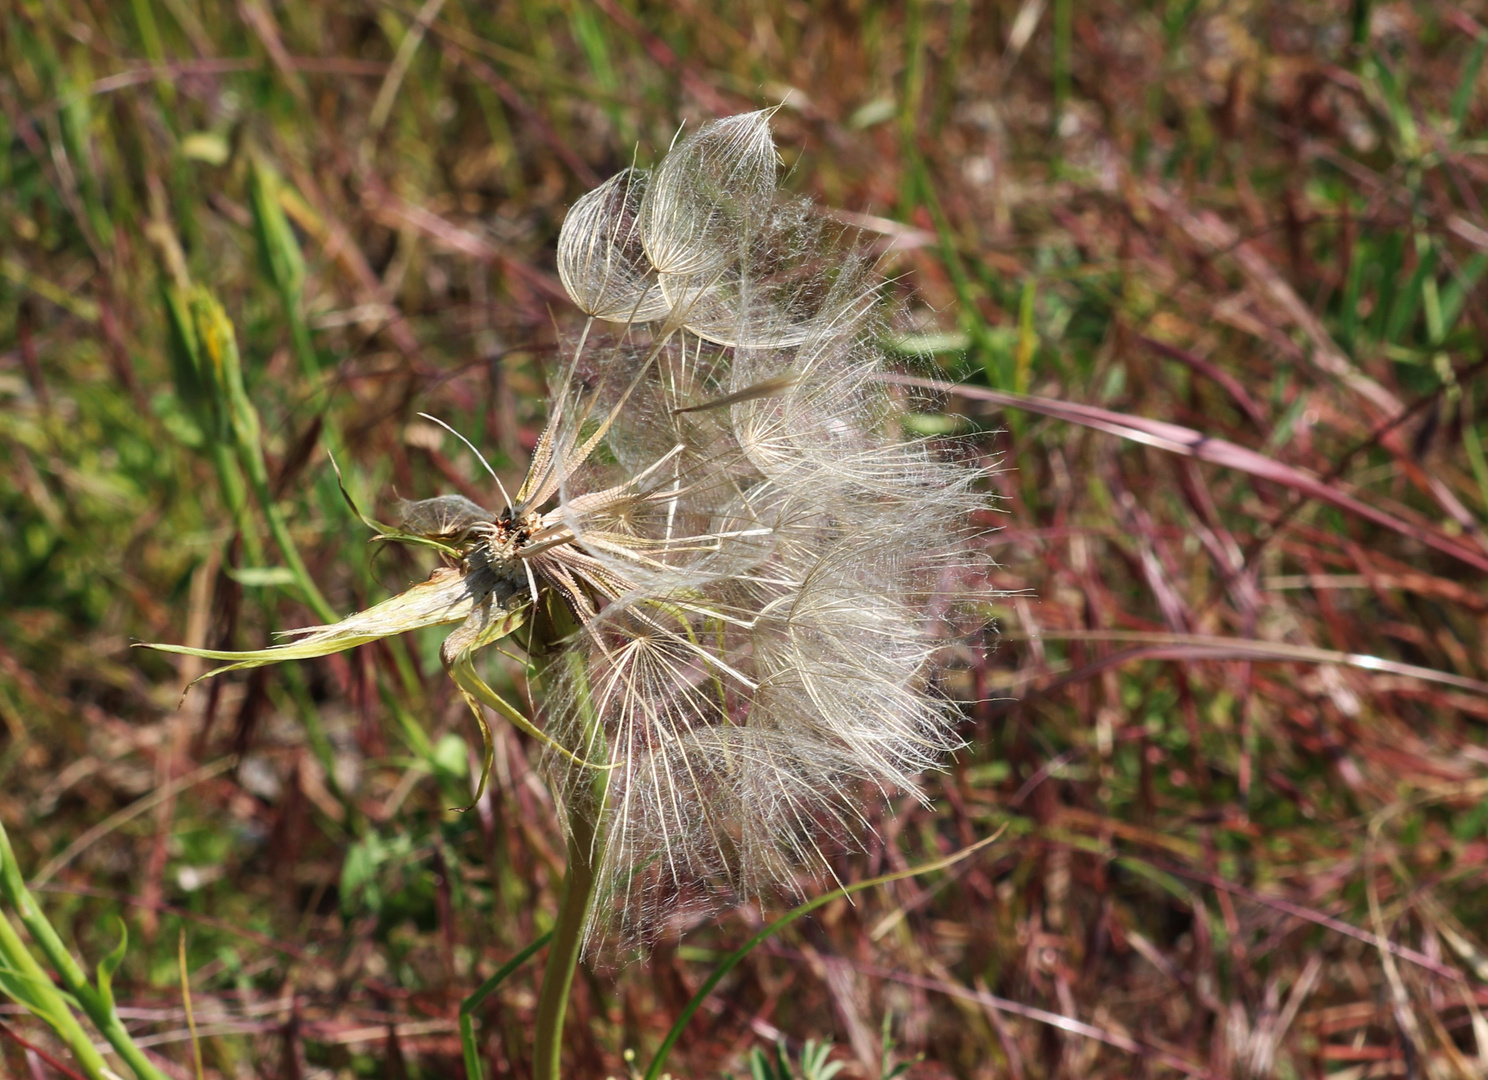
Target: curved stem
{"x": 567, "y": 944}
{"x": 97, "y": 1002}
{"x": 468, "y": 1045}
{"x": 24, "y": 980}
{"x": 734, "y": 958}
{"x": 586, "y": 845}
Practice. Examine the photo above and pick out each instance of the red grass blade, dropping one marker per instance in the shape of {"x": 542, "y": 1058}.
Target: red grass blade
{"x": 1177, "y": 439}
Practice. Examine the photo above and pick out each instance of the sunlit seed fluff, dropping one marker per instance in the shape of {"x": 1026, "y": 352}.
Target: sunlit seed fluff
{"x": 771, "y": 658}
{"x": 754, "y": 555}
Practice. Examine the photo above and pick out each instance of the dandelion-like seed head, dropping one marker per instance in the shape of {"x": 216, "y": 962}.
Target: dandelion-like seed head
{"x": 771, "y": 659}
{"x": 740, "y": 559}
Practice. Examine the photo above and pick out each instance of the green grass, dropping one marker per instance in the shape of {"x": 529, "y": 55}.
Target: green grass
{"x": 235, "y": 237}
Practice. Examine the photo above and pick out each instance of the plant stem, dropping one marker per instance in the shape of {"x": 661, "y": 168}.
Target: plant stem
{"x": 219, "y": 344}
{"x": 568, "y": 942}
{"x": 468, "y": 1045}
{"x": 585, "y": 853}
{"x": 734, "y": 958}
{"x": 43, "y": 999}
{"x": 99, "y": 1009}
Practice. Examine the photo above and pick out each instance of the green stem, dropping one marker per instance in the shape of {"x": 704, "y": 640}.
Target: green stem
{"x": 734, "y": 958}
{"x": 218, "y": 354}
{"x": 42, "y": 998}
{"x": 258, "y": 476}
{"x": 563, "y": 955}
{"x": 230, "y": 480}
{"x": 99, "y": 1009}
{"x": 468, "y": 1045}
{"x": 585, "y": 853}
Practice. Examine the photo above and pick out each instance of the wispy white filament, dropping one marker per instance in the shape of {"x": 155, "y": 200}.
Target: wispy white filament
{"x": 768, "y": 660}
{"x": 752, "y": 550}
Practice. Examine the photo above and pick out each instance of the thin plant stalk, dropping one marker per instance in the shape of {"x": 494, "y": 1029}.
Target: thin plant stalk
{"x": 585, "y": 852}
{"x": 23, "y": 979}
{"x": 567, "y": 944}
{"x": 734, "y": 958}
{"x": 216, "y": 341}
{"x": 96, "y": 1001}
{"x": 473, "y": 1070}
{"x": 210, "y": 380}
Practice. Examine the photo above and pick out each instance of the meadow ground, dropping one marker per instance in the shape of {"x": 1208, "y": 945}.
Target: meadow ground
{"x": 1209, "y": 278}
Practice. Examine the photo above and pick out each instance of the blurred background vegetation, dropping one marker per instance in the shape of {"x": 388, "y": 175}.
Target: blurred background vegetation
{"x": 1210, "y": 275}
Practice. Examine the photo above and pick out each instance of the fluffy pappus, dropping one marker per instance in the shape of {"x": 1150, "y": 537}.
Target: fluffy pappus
{"x": 785, "y": 543}
{"x": 732, "y": 561}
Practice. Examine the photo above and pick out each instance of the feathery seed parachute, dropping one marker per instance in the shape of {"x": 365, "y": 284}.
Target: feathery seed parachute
{"x": 736, "y": 555}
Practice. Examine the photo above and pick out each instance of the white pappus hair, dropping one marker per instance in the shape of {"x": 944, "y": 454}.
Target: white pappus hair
{"x": 752, "y": 556}
{"x": 772, "y": 544}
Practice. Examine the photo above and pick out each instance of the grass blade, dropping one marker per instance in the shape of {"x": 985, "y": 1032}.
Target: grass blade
{"x": 653, "y": 1072}
{"x": 1190, "y": 443}
{"x": 473, "y": 1070}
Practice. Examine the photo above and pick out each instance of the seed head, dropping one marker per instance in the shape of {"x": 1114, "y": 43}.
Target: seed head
{"x": 781, "y": 542}
{"x": 752, "y": 556}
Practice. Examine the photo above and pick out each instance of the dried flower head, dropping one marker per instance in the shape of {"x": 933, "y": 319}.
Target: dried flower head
{"x": 724, "y": 506}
